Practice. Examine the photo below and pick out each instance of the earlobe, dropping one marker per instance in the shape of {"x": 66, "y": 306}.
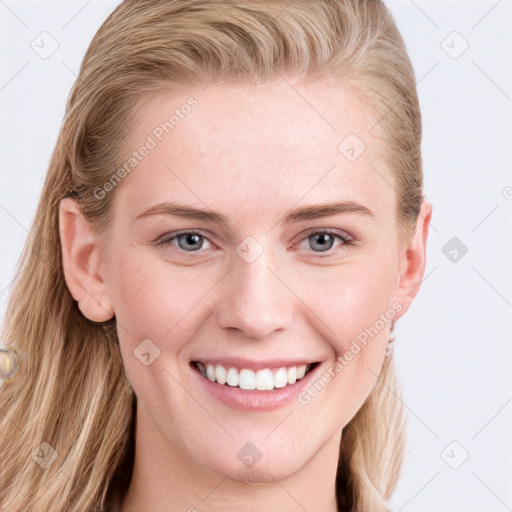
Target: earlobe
{"x": 413, "y": 260}
{"x": 81, "y": 259}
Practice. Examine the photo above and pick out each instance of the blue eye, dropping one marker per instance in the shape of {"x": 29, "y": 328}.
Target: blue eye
{"x": 321, "y": 241}
{"x": 189, "y": 241}
{"x": 324, "y": 240}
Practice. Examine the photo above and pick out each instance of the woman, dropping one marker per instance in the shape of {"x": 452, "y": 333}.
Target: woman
{"x": 231, "y": 223}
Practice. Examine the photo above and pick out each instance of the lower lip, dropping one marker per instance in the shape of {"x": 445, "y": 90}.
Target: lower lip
{"x": 254, "y": 400}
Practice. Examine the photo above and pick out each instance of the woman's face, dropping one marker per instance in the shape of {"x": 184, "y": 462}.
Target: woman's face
{"x": 292, "y": 258}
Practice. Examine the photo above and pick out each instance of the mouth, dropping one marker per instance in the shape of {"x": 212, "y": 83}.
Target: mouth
{"x": 267, "y": 378}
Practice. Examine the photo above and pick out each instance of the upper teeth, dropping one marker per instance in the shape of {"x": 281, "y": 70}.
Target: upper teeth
{"x": 262, "y": 380}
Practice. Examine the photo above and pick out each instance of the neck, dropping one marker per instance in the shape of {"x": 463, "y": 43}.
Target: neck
{"x": 164, "y": 480}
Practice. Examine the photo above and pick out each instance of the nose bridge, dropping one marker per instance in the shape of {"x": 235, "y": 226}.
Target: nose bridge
{"x": 254, "y": 300}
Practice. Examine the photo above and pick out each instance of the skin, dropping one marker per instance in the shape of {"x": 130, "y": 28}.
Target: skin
{"x": 251, "y": 154}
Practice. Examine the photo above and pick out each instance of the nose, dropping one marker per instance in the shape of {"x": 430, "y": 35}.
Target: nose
{"x": 255, "y": 300}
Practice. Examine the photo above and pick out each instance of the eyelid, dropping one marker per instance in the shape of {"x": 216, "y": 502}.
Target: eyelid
{"x": 167, "y": 238}
{"x": 331, "y": 231}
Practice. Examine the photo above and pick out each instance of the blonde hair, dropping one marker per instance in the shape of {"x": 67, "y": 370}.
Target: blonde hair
{"x": 71, "y": 390}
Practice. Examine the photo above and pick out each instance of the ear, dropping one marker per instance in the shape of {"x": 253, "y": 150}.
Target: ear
{"x": 81, "y": 258}
{"x": 413, "y": 260}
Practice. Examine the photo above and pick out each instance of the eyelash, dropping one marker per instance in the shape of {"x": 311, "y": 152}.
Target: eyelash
{"x": 167, "y": 240}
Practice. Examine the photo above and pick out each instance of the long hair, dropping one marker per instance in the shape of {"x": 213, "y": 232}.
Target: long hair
{"x": 67, "y": 425}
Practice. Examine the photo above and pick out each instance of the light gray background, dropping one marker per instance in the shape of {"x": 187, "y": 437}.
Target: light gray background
{"x": 454, "y": 347}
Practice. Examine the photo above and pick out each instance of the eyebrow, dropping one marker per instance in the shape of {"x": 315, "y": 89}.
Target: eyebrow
{"x": 295, "y": 215}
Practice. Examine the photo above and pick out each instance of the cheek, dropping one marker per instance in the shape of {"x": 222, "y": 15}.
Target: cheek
{"x": 350, "y": 301}
{"x": 150, "y": 297}
{"x": 352, "y": 311}
{"x": 156, "y": 309}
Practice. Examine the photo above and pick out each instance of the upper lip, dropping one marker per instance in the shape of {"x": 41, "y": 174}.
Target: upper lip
{"x": 237, "y": 362}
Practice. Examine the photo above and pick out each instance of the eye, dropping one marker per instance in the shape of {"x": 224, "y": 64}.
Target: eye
{"x": 189, "y": 241}
{"x": 319, "y": 241}
{"x": 324, "y": 240}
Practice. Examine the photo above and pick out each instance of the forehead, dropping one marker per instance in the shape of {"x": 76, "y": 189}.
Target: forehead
{"x": 280, "y": 142}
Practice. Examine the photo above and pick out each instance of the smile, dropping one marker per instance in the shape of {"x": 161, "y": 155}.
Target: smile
{"x": 265, "y": 379}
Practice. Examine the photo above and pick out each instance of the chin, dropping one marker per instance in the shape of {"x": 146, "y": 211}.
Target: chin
{"x": 246, "y": 463}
